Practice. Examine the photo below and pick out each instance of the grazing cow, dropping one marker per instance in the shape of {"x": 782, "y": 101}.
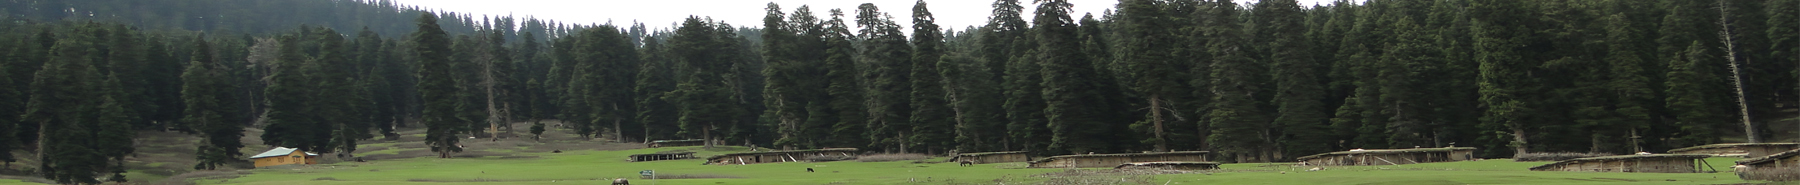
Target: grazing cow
{"x": 967, "y": 163}
{"x": 621, "y": 181}
{"x": 809, "y": 170}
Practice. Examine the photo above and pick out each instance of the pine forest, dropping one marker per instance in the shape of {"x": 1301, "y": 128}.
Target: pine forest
{"x": 1251, "y": 81}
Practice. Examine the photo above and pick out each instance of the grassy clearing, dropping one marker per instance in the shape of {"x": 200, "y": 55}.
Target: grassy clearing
{"x": 592, "y": 166}
{"x": 1469, "y": 172}
{"x": 595, "y": 166}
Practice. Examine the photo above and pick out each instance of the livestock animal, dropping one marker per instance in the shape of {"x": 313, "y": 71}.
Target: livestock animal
{"x": 967, "y": 163}
{"x": 621, "y": 181}
{"x": 1741, "y": 170}
{"x": 809, "y": 170}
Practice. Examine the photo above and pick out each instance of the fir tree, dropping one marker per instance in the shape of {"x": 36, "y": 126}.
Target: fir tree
{"x": 1239, "y": 124}
{"x": 1076, "y": 108}
{"x": 212, "y": 110}
{"x": 701, "y": 96}
{"x": 931, "y": 115}
{"x": 843, "y": 87}
{"x": 437, "y": 87}
{"x": 1301, "y": 111}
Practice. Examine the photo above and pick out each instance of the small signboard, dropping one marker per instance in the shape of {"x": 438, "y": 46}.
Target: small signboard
{"x": 647, "y": 173}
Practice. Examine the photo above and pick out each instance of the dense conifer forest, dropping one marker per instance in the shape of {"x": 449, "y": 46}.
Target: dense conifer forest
{"x": 1250, "y": 81}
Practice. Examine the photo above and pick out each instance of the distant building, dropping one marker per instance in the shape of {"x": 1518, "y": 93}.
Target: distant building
{"x": 1172, "y": 165}
{"x": 1746, "y": 150}
{"x": 660, "y": 156}
{"x": 1114, "y": 160}
{"x": 1389, "y": 156}
{"x": 1651, "y": 163}
{"x": 778, "y": 156}
{"x": 284, "y": 156}
{"x": 675, "y": 143}
{"x": 992, "y": 157}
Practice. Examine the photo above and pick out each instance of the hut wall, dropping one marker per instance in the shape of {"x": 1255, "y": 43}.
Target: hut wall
{"x": 998, "y": 158}
{"x": 1114, "y": 161}
{"x": 1650, "y": 165}
{"x": 1715, "y": 151}
{"x": 1765, "y": 150}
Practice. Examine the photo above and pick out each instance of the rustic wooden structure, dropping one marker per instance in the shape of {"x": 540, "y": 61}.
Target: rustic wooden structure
{"x": 777, "y": 156}
{"x": 1389, "y": 156}
{"x": 1170, "y": 165}
{"x": 660, "y": 156}
{"x": 992, "y": 157}
{"x": 675, "y": 143}
{"x": 284, "y": 156}
{"x": 1784, "y": 166}
{"x": 1114, "y": 160}
{"x": 1644, "y": 163}
{"x": 1746, "y": 150}
{"x": 1790, "y": 158}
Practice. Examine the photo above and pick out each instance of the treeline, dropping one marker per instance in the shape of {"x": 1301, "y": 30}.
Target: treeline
{"x": 231, "y": 17}
{"x": 1257, "y": 82}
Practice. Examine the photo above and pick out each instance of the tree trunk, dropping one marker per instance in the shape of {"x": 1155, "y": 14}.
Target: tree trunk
{"x": 618, "y": 132}
{"x": 706, "y": 134}
{"x": 1519, "y": 142}
{"x": 1162, "y": 144}
{"x": 1737, "y": 76}
{"x": 1634, "y": 141}
{"x": 903, "y": 142}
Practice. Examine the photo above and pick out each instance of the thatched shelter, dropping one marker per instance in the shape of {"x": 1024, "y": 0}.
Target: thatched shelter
{"x": 1389, "y": 156}
{"x": 660, "y": 156}
{"x": 1746, "y": 150}
{"x": 777, "y": 156}
{"x": 1170, "y": 165}
{"x": 992, "y": 157}
{"x": 1647, "y": 163}
{"x": 675, "y": 143}
{"x": 1790, "y": 158}
{"x": 1113, "y": 160}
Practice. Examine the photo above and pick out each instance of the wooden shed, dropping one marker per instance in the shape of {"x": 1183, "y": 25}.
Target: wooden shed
{"x": 1784, "y": 166}
{"x": 777, "y": 156}
{"x": 1389, "y": 156}
{"x": 992, "y": 157}
{"x": 660, "y": 156}
{"x": 1746, "y": 150}
{"x": 1643, "y": 163}
{"x": 284, "y": 156}
{"x": 1114, "y": 160}
{"x": 675, "y": 143}
{"x": 1170, "y": 165}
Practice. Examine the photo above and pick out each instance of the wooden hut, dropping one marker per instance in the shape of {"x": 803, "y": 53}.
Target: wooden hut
{"x": 1645, "y": 163}
{"x": 675, "y": 143}
{"x": 777, "y": 156}
{"x": 1389, "y": 156}
{"x": 284, "y": 156}
{"x": 1170, "y": 165}
{"x": 1784, "y": 166}
{"x": 660, "y": 156}
{"x": 992, "y": 157}
{"x": 1746, "y": 150}
{"x": 1114, "y": 160}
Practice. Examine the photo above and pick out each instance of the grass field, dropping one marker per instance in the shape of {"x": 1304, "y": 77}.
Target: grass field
{"x": 590, "y": 167}
{"x": 166, "y": 159}
{"x": 593, "y": 167}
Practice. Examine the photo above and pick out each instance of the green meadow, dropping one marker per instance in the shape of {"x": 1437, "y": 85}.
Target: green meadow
{"x": 597, "y": 167}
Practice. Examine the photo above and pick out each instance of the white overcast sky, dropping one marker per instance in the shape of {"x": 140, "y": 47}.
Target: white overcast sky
{"x": 950, "y": 14}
